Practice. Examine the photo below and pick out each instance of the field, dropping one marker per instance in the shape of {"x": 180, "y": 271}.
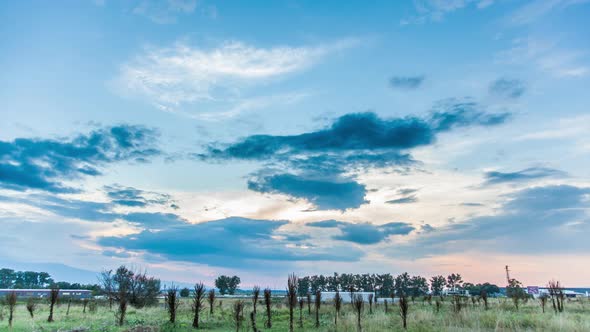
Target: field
{"x": 422, "y": 316}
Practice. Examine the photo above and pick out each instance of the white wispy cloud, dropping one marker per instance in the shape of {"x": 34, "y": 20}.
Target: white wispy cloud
{"x": 435, "y": 10}
{"x": 164, "y": 11}
{"x": 546, "y": 56}
{"x": 170, "y": 77}
{"x": 537, "y": 9}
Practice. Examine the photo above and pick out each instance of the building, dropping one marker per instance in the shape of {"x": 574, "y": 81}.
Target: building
{"x": 329, "y": 296}
{"x": 44, "y": 293}
{"x": 537, "y": 292}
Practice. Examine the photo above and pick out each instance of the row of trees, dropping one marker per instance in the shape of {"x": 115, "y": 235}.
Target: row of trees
{"x": 385, "y": 285}
{"x": 12, "y": 279}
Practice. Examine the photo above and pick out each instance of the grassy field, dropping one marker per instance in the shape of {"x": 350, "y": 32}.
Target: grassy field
{"x": 501, "y": 316}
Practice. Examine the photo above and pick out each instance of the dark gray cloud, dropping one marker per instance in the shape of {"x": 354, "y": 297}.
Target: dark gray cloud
{"x": 403, "y": 200}
{"x": 534, "y": 220}
{"x": 44, "y": 163}
{"x": 406, "y": 82}
{"x": 232, "y": 242}
{"x": 364, "y": 233}
{"x": 323, "y": 194}
{"x": 532, "y": 173}
{"x": 507, "y": 88}
{"x": 133, "y": 197}
{"x": 316, "y": 165}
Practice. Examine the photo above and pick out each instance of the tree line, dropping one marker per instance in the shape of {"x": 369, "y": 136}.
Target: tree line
{"x": 11, "y": 279}
{"x": 386, "y": 285}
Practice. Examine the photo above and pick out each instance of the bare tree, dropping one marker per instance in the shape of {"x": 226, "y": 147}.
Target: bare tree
{"x": 351, "y": 291}
{"x": 238, "y": 314}
{"x": 301, "y": 304}
{"x": 337, "y": 306}
{"x": 403, "y": 310}
{"x": 172, "y": 303}
{"x": 437, "y": 305}
{"x": 292, "y": 284}
{"x": 543, "y": 300}
{"x": 371, "y": 296}
{"x": 557, "y": 295}
{"x": 53, "y": 296}
{"x": 11, "y": 301}
{"x": 211, "y": 300}
{"x": 253, "y": 321}
{"x": 84, "y": 305}
{"x": 385, "y": 305}
{"x": 309, "y": 303}
{"x": 69, "y": 305}
{"x": 31, "y": 307}
{"x": 198, "y": 302}
{"x": 357, "y": 304}
{"x": 318, "y": 303}
{"x": 484, "y": 297}
{"x": 268, "y": 304}
{"x": 255, "y": 296}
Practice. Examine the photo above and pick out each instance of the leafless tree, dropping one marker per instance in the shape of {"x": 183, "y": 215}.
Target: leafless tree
{"x": 351, "y": 292}
{"x": 268, "y": 304}
{"x": 371, "y": 296}
{"x": 403, "y": 310}
{"x": 385, "y": 305}
{"x": 253, "y": 321}
{"x": 69, "y": 305}
{"x": 292, "y": 284}
{"x": 84, "y": 304}
{"x": 309, "y": 303}
{"x": 337, "y": 306}
{"x": 53, "y": 296}
{"x": 255, "y": 296}
{"x": 11, "y": 301}
{"x": 238, "y": 310}
{"x": 198, "y": 302}
{"x": 31, "y": 307}
{"x": 301, "y": 304}
{"x": 318, "y": 303}
{"x": 172, "y": 303}
{"x": 484, "y": 297}
{"x": 557, "y": 295}
{"x": 211, "y": 300}
{"x": 438, "y": 303}
{"x": 543, "y": 300}
{"x": 357, "y": 304}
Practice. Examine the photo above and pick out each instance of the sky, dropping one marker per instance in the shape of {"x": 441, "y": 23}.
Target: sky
{"x": 198, "y": 138}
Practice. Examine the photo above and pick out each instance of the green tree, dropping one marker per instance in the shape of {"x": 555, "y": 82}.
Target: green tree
{"x": 185, "y": 292}
{"x": 227, "y": 284}
{"x": 437, "y": 285}
{"x": 454, "y": 281}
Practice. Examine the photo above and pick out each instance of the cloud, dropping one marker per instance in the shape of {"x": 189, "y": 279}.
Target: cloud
{"x": 133, "y": 197}
{"x": 436, "y": 10}
{"x": 325, "y": 195}
{"x": 507, "y": 88}
{"x": 538, "y": 8}
{"x": 322, "y": 163}
{"x": 364, "y": 233}
{"x": 164, "y": 11}
{"x": 547, "y": 56}
{"x": 44, "y": 163}
{"x": 548, "y": 219}
{"x": 406, "y": 82}
{"x": 403, "y": 200}
{"x": 231, "y": 242}
{"x": 532, "y": 173}
{"x": 174, "y": 76}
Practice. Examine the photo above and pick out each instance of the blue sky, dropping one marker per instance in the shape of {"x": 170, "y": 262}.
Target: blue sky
{"x": 259, "y": 138}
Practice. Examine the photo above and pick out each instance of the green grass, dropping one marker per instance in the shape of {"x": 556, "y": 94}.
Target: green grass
{"x": 422, "y": 317}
